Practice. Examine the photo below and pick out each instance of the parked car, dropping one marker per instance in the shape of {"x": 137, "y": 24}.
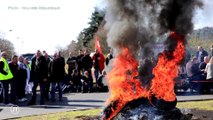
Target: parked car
{"x": 31, "y": 55}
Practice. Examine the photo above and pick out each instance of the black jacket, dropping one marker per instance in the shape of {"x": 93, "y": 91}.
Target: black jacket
{"x": 109, "y": 57}
{"x": 56, "y": 70}
{"x": 72, "y": 64}
{"x": 79, "y": 62}
{"x": 14, "y": 70}
{"x": 87, "y": 62}
{"x": 2, "y": 68}
{"x": 204, "y": 53}
{"x": 39, "y": 70}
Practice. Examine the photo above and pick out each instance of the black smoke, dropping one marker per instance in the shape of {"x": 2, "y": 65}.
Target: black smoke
{"x": 139, "y": 24}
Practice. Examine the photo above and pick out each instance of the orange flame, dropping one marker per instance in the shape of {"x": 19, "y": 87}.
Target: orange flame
{"x": 166, "y": 70}
{"x": 124, "y": 86}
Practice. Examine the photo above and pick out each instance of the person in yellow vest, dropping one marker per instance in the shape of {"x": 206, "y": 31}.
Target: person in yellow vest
{"x": 5, "y": 77}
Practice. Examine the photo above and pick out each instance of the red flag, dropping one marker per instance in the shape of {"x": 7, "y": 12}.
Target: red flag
{"x": 97, "y": 45}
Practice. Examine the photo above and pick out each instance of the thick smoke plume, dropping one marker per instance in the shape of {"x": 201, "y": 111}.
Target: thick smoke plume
{"x": 129, "y": 26}
{"x": 138, "y": 24}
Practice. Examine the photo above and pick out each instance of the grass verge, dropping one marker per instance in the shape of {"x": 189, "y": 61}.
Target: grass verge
{"x": 71, "y": 115}
{"x": 200, "y": 105}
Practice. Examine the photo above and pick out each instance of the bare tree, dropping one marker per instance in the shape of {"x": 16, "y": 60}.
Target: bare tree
{"x": 6, "y": 45}
{"x": 72, "y": 47}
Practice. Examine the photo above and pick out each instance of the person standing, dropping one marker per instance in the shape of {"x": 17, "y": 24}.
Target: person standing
{"x": 200, "y": 54}
{"x": 5, "y": 77}
{"x": 109, "y": 56}
{"x": 98, "y": 63}
{"x": 14, "y": 81}
{"x": 38, "y": 76}
{"x": 29, "y": 85}
{"x": 209, "y": 69}
{"x": 211, "y": 51}
{"x": 71, "y": 61}
{"x": 46, "y": 83}
{"x": 87, "y": 62}
{"x": 22, "y": 79}
{"x": 79, "y": 61}
{"x": 57, "y": 73}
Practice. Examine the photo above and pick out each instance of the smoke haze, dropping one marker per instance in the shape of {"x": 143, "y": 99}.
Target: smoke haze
{"x": 137, "y": 24}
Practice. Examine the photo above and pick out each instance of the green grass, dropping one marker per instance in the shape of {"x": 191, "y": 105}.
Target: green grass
{"x": 200, "y": 105}
{"x": 71, "y": 115}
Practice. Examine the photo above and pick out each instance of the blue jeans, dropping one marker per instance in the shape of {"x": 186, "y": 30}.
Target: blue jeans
{"x": 96, "y": 72}
{"x": 53, "y": 89}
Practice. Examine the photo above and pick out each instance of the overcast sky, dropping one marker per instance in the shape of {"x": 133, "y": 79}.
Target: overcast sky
{"x": 48, "y": 24}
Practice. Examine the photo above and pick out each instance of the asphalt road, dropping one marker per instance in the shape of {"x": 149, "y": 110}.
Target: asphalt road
{"x": 74, "y": 101}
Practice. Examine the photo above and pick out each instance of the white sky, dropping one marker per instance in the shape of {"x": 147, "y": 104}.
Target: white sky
{"x": 204, "y": 17}
{"x": 49, "y": 29}
{"x": 44, "y": 29}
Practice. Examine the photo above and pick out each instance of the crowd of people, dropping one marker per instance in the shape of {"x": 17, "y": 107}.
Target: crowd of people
{"x": 83, "y": 73}
{"x": 200, "y": 67}
{"x": 20, "y": 77}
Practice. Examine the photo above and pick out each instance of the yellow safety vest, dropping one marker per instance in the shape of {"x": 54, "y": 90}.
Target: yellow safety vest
{"x": 7, "y": 69}
{"x": 29, "y": 65}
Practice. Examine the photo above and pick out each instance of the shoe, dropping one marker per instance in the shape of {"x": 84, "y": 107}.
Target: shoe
{"x": 10, "y": 104}
{"x": 24, "y": 99}
{"x": 29, "y": 93}
{"x": 31, "y": 103}
{"x": 41, "y": 103}
{"x": 2, "y": 104}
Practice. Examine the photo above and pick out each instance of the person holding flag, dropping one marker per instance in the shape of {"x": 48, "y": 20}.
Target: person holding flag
{"x": 98, "y": 60}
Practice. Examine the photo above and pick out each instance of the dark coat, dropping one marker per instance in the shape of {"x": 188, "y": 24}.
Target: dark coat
{"x": 39, "y": 70}
{"x": 109, "y": 57}
{"x": 72, "y": 64}
{"x": 2, "y": 68}
{"x": 22, "y": 72}
{"x": 76, "y": 79}
{"x": 57, "y": 70}
{"x": 87, "y": 62}
{"x": 14, "y": 70}
{"x": 196, "y": 72}
{"x": 202, "y": 66}
{"x": 204, "y": 53}
{"x": 79, "y": 62}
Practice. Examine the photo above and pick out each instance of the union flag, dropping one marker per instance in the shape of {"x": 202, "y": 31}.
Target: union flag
{"x": 97, "y": 44}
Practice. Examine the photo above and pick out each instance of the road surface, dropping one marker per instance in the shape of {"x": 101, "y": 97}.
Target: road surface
{"x": 73, "y": 101}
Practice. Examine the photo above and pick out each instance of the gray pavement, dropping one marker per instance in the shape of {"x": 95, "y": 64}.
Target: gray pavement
{"x": 74, "y": 101}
